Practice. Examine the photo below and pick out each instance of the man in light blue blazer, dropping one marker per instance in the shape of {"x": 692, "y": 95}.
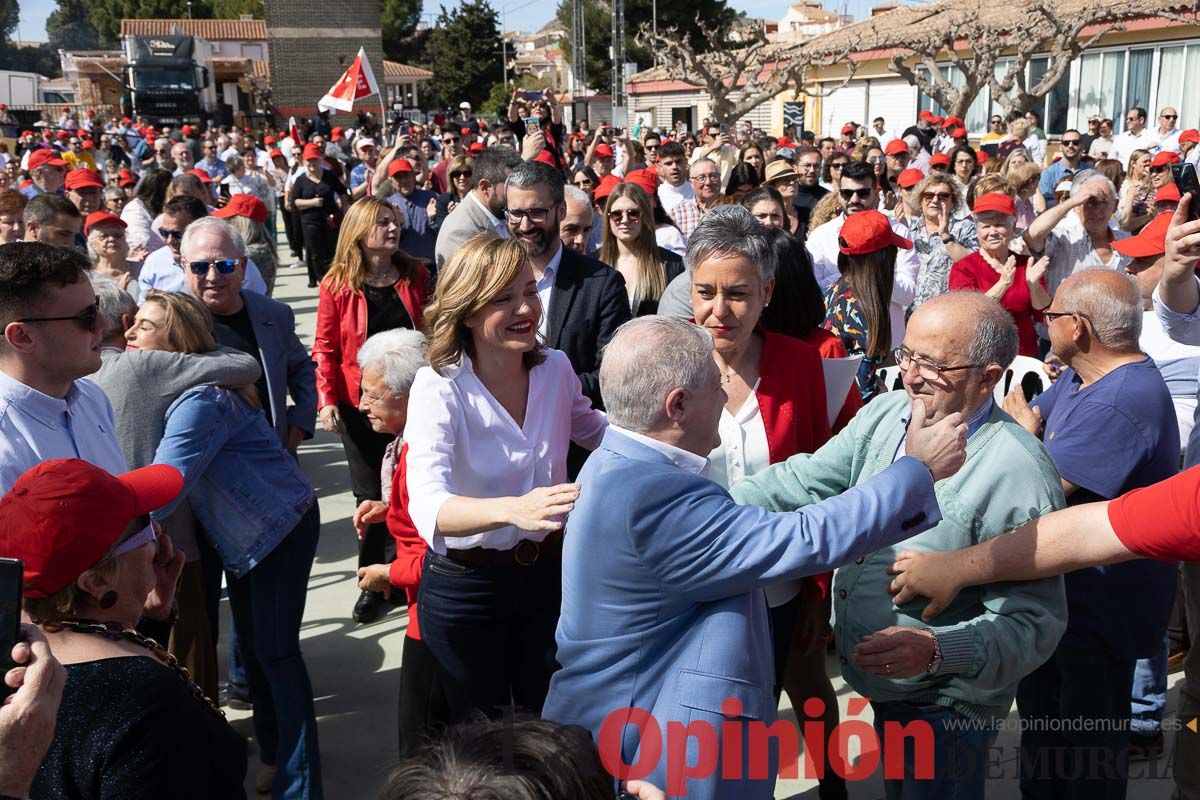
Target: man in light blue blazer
{"x": 662, "y": 605}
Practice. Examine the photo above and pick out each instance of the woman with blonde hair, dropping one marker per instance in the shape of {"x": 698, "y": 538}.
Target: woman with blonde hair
{"x": 1136, "y": 202}
{"x": 372, "y": 286}
{"x": 490, "y": 420}
{"x": 630, "y": 247}
{"x": 1021, "y": 182}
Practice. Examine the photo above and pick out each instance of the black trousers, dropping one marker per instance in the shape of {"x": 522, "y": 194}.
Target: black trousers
{"x": 319, "y": 241}
{"x": 423, "y": 709}
{"x": 364, "y": 453}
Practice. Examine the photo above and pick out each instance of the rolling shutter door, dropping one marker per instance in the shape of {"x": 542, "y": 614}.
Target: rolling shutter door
{"x": 847, "y": 103}
{"x": 894, "y": 100}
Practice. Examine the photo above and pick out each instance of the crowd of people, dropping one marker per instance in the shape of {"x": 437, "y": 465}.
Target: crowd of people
{"x": 584, "y": 379}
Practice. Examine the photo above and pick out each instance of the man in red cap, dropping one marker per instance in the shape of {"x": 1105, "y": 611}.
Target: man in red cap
{"x": 924, "y": 130}
{"x": 52, "y": 331}
{"x": 1188, "y": 140}
{"x": 84, "y": 189}
{"x": 897, "y": 158}
{"x": 603, "y": 159}
{"x": 47, "y": 170}
{"x": 846, "y": 145}
{"x": 939, "y": 162}
{"x": 418, "y": 210}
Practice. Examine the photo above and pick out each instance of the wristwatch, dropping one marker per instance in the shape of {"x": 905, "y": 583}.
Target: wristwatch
{"x": 948, "y": 238}
{"x": 935, "y": 661}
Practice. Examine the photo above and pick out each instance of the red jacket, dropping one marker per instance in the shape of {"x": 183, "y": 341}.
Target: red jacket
{"x": 342, "y": 329}
{"x": 405, "y": 571}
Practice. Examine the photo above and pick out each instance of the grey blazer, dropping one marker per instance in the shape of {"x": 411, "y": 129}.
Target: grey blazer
{"x": 289, "y": 368}
{"x": 466, "y": 220}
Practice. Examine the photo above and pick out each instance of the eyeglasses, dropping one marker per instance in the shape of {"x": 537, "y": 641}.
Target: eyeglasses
{"x": 997, "y": 121}
{"x": 453, "y": 140}
{"x": 454, "y": 175}
{"x": 534, "y": 215}
{"x": 928, "y": 370}
{"x": 943, "y": 196}
{"x": 168, "y": 233}
{"x": 1132, "y": 119}
{"x": 225, "y": 266}
{"x": 1053, "y": 315}
{"x": 1158, "y": 170}
{"x": 1169, "y": 116}
{"x": 651, "y": 147}
{"x": 632, "y": 214}
{"x": 1072, "y": 142}
{"x": 146, "y": 535}
{"x": 86, "y": 318}
{"x": 838, "y": 165}
{"x": 875, "y": 159}
{"x": 582, "y": 184}
{"x": 707, "y": 178}
{"x": 850, "y": 194}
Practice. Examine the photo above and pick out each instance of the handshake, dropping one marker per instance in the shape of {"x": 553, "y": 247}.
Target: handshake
{"x": 941, "y": 446}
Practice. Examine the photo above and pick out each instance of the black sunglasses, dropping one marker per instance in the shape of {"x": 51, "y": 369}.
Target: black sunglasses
{"x": 168, "y": 233}
{"x": 86, "y": 318}
{"x": 225, "y": 266}
{"x": 849, "y": 194}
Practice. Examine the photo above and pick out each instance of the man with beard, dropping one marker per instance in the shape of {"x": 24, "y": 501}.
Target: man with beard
{"x": 583, "y": 301}
{"x": 809, "y": 190}
{"x": 482, "y": 210}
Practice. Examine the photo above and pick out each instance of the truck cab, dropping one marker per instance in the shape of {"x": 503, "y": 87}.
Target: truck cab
{"x": 168, "y": 80}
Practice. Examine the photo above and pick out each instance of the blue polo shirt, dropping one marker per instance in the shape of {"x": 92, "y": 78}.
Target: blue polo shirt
{"x": 1118, "y": 434}
{"x": 419, "y": 236}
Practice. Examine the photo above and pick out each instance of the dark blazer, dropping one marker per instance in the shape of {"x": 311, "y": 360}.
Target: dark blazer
{"x": 587, "y": 305}
{"x": 286, "y": 362}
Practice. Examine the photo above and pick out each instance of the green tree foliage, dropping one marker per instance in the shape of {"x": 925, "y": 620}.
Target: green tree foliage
{"x": 464, "y": 49}
{"x": 680, "y": 14}
{"x": 400, "y": 18}
{"x": 70, "y": 27}
{"x": 107, "y": 14}
{"x": 498, "y": 99}
{"x": 233, "y": 9}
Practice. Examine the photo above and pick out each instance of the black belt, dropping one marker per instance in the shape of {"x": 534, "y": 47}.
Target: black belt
{"x": 525, "y": 554}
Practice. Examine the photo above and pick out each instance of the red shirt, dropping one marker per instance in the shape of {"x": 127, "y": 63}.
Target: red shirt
{"x": 972, "y": 272}
{"x": 405, "y": 571}
{"x": 1161, "y": 521}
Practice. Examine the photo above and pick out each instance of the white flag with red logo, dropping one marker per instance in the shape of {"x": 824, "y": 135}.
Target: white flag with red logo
{"x": 294, "y": 131}
{"x": 356, "y": 83}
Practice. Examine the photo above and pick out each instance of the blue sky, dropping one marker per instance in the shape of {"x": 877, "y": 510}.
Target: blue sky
{"x": 525, "y": 15}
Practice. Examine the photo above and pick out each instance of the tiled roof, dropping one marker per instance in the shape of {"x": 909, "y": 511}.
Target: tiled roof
{"x": 215, "y": 30}
{"x": 392, "y": 69}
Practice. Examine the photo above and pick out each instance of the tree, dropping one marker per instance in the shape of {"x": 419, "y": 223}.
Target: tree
{"x": 400, "y": 18}
{"x": 499, "y": 97}
{"x": 106, "y": 15}
{"x": 741, "y": 74}
{"x": 234, "y": 9}
{"x": 991, "y": 48}
{"x": 465, "y": 47}
{"x": 10, "y": 14}
{"x": 694, "y": 20}
{"x": 70, "y": 27}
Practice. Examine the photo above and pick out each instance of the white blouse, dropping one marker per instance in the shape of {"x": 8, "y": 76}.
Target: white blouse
{"x": 743, "y": 449}
{"x": 462, "y": 442}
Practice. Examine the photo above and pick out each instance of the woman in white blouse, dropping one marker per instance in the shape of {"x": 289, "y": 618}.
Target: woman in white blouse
{"x": 490, "y": 421}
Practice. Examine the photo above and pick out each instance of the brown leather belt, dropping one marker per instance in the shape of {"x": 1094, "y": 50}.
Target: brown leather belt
{"x": 525, "y": 554}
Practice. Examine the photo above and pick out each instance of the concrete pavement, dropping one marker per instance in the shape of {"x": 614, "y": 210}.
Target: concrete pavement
{"x": 355, "y": 668}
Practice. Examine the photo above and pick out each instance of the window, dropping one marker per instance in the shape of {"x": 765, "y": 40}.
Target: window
{"x": 1053, "y": 108}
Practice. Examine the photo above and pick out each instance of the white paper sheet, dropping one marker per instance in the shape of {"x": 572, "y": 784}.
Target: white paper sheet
{"x": 839, "y": 375}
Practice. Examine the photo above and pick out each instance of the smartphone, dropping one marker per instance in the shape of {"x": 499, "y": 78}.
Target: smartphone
{"x": 532, "y": 124}
{"x": 1185, "y": 179}
{"x": 533, "y": 94}
{"x": 12, "y": 578}
{"x": 724, "y": 128}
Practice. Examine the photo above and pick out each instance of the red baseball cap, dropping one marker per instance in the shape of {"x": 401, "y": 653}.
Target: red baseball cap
{"x": 783, "y": 141}
{"x": 88, "y": 144}
{"x": 1164, "y": 158}
{"x": 926, "y": 115}
{"x": 1168, "y": 193}
{"x": 243, "y": 205}
{"x": 546, "y": 157}
{"x": 847, "y": 128}
{"x": 185, "y": 130}
{"x": 1190, "y": 135}
{"x": 312, "y": 150}
{"x": 981, "y": 156}
{"x": 63, "y": 135}
{"x": 125, "y": 178}
{"x": 43, "y": 157}
{"x": 995, "y": 201}
{"x": 648, "y": 181}
{"x": 958, "y": 133}
{"x": 61, "y": 517}
{"x": 274, "y": 152}
{"x": 895, "y": 147}
{"x": 937, "y": 121}
{"x": 607, "y": 184}
{"x": 101, "y": 218}
{"x": 867, "y": 231}
{"x": 952, "y": 122}
{"x": 939, "y": 160}
{"x": 201, "y": 174}
{"x": 909, "y": 178}
{"x": 269, "y": 139}
{"x": 336, "y": 132}
{"x": 476, "y": 147}
{"x": 3, "y": 107}
{"x": 1151, "y": 240}
{"x": 399, "y": 165}
{"x": 83, "y": 178}
{"x": 603, "y": 151}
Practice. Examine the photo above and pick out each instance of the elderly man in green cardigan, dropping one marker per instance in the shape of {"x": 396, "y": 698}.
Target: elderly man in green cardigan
{"x": 959, "y": 673}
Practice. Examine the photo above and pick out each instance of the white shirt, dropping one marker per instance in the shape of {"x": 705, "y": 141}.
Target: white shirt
{"x": 668, "y": 237}
{"x": 500, "y": 225}
{"x": 462, "y": 442}
{"x": 545, "y": 289}
{"x": 884, "y": 138}
{"x": 1169, "y": 141}
{"x": 1180, "y": 367}
{"x": 1125, "y": 143}
{"x": 822, "y": 248}
{"x": 671, "y": 196}
{"x": 684, "y": 459}
{"x": 743, "y": 449}
{"x": 36, "y": 427}
{"x": 162, "y": 272}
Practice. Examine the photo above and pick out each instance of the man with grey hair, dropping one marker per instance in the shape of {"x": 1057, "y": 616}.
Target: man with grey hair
{"x": 213, "y": 256}
{"x": 663, "y": 607}
{"x": 1078, "y": 233}
{"x": 579, "y": 221}
{"x": 117, "y": 307}
{"x": 959, "y": 674}
{"x": 1109, "y": 424}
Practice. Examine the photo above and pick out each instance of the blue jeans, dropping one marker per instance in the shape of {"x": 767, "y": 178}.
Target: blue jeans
{"x": 960, "y": 753}
{"x": 1149, "y": 694}
{"x": 1075, "y": 726}
{"x": 237, "y": 661}
{"x": 268, "y": 605}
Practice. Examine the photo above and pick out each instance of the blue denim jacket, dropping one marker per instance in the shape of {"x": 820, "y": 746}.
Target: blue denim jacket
{"x": 245, "y": 489}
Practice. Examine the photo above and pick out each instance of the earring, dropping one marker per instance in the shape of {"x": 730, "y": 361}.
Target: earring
{"x": 108, "y": 599}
